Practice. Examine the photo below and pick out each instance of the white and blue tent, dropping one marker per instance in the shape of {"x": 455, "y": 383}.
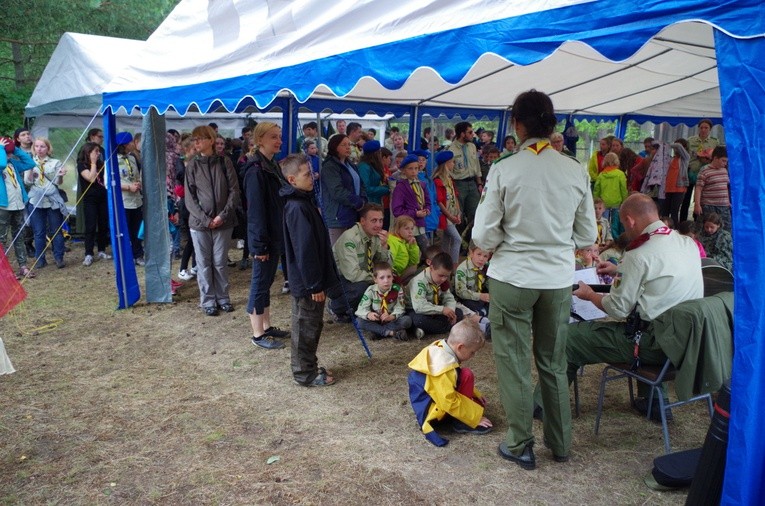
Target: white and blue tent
{"x": 675, "y": 60}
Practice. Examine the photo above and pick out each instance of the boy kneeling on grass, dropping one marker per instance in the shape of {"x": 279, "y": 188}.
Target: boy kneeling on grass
{"x": 441, "y": 390}
{"x": 381, "y": 310}
{"x": 311, "y": 267}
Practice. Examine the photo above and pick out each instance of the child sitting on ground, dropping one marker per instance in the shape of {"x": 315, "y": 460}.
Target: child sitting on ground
{"x": 381, "y": 310}
{"x": 430, "y": 304}
{"x": 688, "y": 227}
{"x": 587, "y": 257}
{"x": 404, "y": 249}
{"x": 471, "y": 283}
{"x": 440, "y": 389}
{"x": 605, "y": 239}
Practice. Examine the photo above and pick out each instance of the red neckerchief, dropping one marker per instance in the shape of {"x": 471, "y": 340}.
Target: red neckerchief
{"x": 643, "y": 238}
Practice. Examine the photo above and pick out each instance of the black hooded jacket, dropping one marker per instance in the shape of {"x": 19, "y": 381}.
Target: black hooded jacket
{"x": 306, "y": 244}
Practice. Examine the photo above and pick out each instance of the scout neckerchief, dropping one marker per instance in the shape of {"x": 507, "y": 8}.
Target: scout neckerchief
{"x": 41, "y": 168}
{"x": 643, "y": 238}
{"x": 369, "y": 255}
{"x": 538, "y": 147}
{"x": 11, "y": 175}
{"x": 479, "y": 277}
{"x": 417, "y": 189}
{"x": 130, "y": 167}
{"x": 600, "y": 233}
{"x": 388, "y": 299}
{"x": 443, "y": 287}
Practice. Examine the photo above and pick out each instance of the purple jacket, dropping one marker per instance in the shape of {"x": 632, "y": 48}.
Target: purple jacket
{"x": 404, "y": 201}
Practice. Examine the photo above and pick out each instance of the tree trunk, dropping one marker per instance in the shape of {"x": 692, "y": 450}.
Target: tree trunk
{"x": 18, "y": 65}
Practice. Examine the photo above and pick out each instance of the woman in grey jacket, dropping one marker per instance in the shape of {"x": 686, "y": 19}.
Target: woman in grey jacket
{"x": 212, "y": 196}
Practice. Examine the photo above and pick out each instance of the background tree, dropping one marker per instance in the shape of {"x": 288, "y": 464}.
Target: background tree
{"x": 30, "y": 30}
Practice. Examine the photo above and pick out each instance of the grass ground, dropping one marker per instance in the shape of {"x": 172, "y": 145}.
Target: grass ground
{"x": 161, "y": 404}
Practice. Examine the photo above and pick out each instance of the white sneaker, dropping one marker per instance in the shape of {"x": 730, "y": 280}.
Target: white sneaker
{"x": 240, "y": 244}
{"x": 286, "y": 288}
{"x": 193, "y": 271}
{"x": 88, "y": 260}
{"x": 140, "y": 261}
{"x": 103, "y": 256}
{"x": 419, "y": 333}
{"x": 185, "y": 275}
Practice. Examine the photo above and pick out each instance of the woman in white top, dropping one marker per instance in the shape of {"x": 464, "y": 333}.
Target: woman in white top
{"x": 46, "y": 205}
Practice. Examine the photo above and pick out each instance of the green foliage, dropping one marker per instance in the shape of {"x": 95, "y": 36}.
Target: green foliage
{"x": 30, "y": 30}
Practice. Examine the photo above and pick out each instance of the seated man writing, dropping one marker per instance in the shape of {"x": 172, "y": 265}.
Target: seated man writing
{"x": 660, "y": 269}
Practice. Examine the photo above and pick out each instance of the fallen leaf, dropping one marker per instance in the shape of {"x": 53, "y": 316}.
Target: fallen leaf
{"x": 272, "y": 459}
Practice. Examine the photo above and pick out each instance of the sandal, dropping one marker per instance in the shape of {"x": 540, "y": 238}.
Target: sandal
{"x": 320, "y": 380}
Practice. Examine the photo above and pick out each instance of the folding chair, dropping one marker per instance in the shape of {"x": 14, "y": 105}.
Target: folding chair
{"x": 652, "y": 376}
{"x": 716, "y": 279}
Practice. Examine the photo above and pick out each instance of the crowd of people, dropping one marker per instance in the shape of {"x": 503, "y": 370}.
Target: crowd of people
{"x": 459, "y": 238}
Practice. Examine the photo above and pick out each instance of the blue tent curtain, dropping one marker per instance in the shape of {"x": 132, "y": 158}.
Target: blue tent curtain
{"x": 741, "y": 70}
{"x": 128, "y": 290}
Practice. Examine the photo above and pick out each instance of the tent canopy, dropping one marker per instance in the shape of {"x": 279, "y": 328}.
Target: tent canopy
{"x": 377, "y": 52}
{"x": 77, "y": 72}
{"x": 652, "y": 59}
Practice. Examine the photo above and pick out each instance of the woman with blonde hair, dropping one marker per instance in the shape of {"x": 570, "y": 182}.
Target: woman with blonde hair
{"x": 263, "y": 179}
{"x": 46, "y": 201}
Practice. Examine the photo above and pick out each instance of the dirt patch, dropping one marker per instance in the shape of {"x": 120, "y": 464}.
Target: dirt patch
{"x": 161, "y": 404}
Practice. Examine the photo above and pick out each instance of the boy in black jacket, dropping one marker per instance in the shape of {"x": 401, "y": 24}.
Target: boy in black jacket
{"x": 311, "y": 267}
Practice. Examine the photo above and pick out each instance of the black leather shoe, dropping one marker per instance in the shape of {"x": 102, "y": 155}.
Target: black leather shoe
{"x": 641, "y": 405}
{"x": 526, "y": 459}
{"x": 556, "y": 458}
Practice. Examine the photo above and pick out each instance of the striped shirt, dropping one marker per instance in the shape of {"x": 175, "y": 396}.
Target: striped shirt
{"x": 714, "y": 184}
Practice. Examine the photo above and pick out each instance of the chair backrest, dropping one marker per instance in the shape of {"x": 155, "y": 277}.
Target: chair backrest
{"x": 716, "y": 277}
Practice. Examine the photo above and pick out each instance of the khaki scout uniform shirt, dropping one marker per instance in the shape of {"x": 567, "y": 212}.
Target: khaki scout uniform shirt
{"x": 372, "y": 302}
{"x": 351, "y": 254}
{"x": 466, "y": 165}
{"x": 427, "y": 298}
{"x": 466, "y": 281}
{"x": 660, "y": 273}
{"x": 536, "y": 208}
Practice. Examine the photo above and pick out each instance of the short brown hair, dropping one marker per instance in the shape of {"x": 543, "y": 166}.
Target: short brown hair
{"x": 368, "y": 207}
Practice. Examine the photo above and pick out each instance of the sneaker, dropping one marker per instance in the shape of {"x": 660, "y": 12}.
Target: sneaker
{"x": 276, "y": 332}
{"x": 185, "y": 275}
{"x": 419, "y": 333}
{"x": 175, "y": 284}
{"x": 60, "y": 264}
{"x": 227, "y": 307}
{"x": 140, "y": 261}
{"x": 401, "y": 335}
{"x": 88, "y": 260}
{"x": 240, "y": 244}
{"x": 267, "y": 342}
{"x": 286, "y": 288}
{"x": 210, "y": 310}
{"x": 193, "y": 271}
{"x": 104, "y": 256}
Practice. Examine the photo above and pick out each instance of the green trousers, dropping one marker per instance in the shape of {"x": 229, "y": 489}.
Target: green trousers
{"x": 516, "y": 314}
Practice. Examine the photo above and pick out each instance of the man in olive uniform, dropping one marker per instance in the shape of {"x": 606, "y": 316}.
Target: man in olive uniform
{"x": 356, "y": 251}
{"x": 660, "y": 269}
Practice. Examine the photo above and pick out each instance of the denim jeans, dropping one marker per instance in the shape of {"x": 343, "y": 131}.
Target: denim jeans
{"x": 45, "y": 223}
